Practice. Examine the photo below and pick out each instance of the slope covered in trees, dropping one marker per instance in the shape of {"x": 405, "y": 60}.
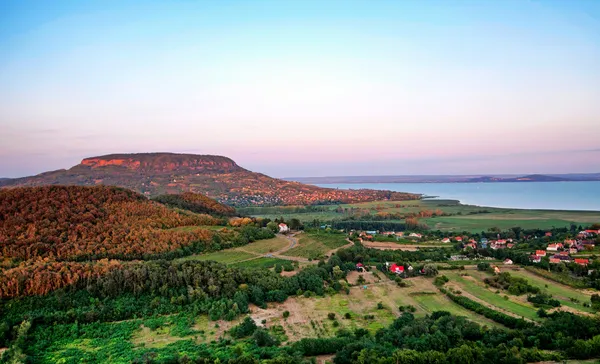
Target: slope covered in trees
{"x": 197, "y": 203}
{"x": 78, "y": 223}
{"x": 218, "y": 177}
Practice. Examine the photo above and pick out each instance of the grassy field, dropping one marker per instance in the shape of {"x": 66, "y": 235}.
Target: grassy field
{"x": 266, "y": 263}
{"x": 227, "y": 256}
{"x": 559, "y": 291}
{"x": 242, "y": 256}
{"x": 474, "y": 286}
{"x": 316, "y": 245}
{"x": 267, "y": 246}
{"x": 464, "y": 217}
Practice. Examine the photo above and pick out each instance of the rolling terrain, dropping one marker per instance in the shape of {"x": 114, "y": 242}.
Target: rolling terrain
{"x": 153, "y": 174}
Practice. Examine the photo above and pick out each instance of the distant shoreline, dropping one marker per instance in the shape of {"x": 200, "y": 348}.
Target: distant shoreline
{"x": 505, "y": 178}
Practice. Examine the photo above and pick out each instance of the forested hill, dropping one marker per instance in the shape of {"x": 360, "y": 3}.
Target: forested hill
{"x": 55, "y": 236}
{"x": 218, "y": 177}
{"x": 81, "y": 223}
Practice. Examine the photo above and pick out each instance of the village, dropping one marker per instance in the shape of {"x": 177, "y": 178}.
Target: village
{"x": 578, "y": 249}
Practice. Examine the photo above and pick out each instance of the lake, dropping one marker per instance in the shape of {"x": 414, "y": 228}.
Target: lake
{"x": 521, "y": 195}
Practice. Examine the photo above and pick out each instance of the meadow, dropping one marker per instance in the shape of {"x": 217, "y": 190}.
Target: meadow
{"x": 461, "y": 217}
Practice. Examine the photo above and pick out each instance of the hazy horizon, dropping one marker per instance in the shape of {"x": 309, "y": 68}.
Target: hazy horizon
{"x": 304, "y": 88}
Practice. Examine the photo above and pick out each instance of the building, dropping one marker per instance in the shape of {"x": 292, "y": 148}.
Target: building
{"x": 535, "y": 258}
{"x": 582, "y": 261}
{"x": 540, "y": 253}
{"x": 360, "y": 267}
{"x": 395, "y": 268}
{"x": 445, "y": 240}
{"x": 283, "y": 228}
{"x": 458, "y": 238}
{"x": 508, "y": 262}
{"x": 415, "y": 235}
{"x": 554, "y": 247}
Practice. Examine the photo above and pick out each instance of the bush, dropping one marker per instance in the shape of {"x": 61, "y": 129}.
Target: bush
{"x": 347, "y": 316}
{"x": 331, "y": 316}
{"x": 441, "y": 280}
{"x": 483, "y": 266}
{"x": 246, "y": 328}
{"x": 262, "y": 338}
{"x": 379, "y": 305}
{"x": 286, "y": 314}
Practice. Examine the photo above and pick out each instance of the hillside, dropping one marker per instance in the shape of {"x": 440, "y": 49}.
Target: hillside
{"x": 81, "y": 223}
{"x": 195, "y": 202}
{"x": 154, "y": 174}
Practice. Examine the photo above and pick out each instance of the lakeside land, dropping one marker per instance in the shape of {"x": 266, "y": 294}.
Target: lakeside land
{"x": 185, "y": 279}
{"x": 450, "y": 215}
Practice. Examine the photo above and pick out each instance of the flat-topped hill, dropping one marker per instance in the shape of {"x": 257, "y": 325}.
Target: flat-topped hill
{"x": 218, "y": 177}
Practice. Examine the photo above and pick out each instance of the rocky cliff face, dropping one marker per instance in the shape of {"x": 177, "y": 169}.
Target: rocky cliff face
{"x": 164, "y": 162}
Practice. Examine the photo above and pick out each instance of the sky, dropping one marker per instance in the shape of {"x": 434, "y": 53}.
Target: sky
{"x": 304, "y": 88}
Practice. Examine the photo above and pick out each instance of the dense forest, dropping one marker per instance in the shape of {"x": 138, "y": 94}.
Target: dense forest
{"x": 56, "y": 236}
{"x": 197, "y": 203}
{"x": 89, "y": 223}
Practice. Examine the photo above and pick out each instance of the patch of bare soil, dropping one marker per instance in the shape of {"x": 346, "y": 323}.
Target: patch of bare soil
{"x": 289, "y": 274}
{"x": 324, "y": 359}
{"x": 369, "y": 277}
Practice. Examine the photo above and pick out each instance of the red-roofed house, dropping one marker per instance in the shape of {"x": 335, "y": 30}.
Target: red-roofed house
{"x": 510, "y": 245}
{"x": 540, "y": 253}
{"x": 548, "y": 234}
{"x": 445, "y": 240}
{"x": 582, "y": 261}
{"x": 458, "y": 238}
{"x": 360, "y": 267}
{"x": 554, "y": 247}
{"x": 535, "y": 258}
{"x": 508, "y": 262}
{"x": 471, "y": 245}
{"x": 283, "y": 228}
{"x": 554, "y": 260}
{"x": 395, "y": 268}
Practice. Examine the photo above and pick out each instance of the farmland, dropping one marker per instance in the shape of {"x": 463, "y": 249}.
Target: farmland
{"x": 460, "y": 217}
{"x": 471, "y": 284}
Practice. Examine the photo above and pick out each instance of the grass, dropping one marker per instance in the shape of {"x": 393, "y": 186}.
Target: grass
{"x": 464, "y": 217}
{"x": 477, "y": 289}
{"x": 316, "y": 245}
{"x": 228, "y": 256}
{"x": 267, "y": 246}
{"x": 260, "y": 263}
{"x": 558, "y": 291}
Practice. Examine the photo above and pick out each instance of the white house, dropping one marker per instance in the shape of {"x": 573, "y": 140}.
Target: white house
{"x": 508, "y": 262}
{"x": 283, "y": 228}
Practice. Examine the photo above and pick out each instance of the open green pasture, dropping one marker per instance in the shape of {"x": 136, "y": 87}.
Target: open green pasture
{"x": 474, "y": 286}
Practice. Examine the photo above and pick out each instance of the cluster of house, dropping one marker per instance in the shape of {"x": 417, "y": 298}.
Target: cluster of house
{"x": 562, "y": 252}
{"x": 368, "y": 235}
{"x": 483, "y": 243}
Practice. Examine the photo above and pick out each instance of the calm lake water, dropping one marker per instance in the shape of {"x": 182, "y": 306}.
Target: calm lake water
{"x": 522, "y": 195}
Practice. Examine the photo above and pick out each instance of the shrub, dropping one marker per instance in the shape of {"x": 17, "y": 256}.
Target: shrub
{"x": 286, "y": 314}
{"x": 440, "y": 280}
{"x": 379, "y": 305}
{"x": 347, "y": 316}
{"x": 331, "y": 316}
